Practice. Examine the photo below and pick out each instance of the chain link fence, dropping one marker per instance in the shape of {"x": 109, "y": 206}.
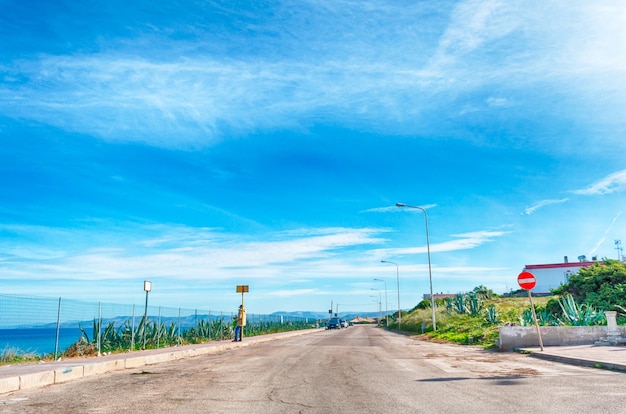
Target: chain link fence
{"x": 53, "y": 327}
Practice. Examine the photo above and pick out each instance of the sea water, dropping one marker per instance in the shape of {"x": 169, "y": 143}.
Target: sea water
{"x": 38, "y": 341}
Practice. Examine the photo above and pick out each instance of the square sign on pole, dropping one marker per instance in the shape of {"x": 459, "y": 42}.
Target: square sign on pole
{"x": 242, "y": 289}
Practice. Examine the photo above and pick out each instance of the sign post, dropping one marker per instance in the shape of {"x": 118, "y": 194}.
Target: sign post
{"x": 527, "y": 281}
{"x": 242, "y": 289}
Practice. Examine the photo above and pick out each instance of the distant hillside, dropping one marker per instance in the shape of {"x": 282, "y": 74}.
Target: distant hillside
{"x": 324, "y": 315}
{"x": 118, "y": 321}
{"x": 191, "y": 320}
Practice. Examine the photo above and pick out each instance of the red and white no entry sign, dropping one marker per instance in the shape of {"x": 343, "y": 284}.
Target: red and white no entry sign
{"x": 526, "y": 280}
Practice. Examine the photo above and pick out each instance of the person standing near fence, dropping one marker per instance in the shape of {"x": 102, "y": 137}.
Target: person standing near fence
{"x": 241, "y": 322}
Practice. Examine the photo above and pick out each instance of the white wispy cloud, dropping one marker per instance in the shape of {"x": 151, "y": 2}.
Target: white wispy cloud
{"x": 394, "y": 209}
{"x": 468, "y": 241}
{"x": 530, "y": 210}
{"x": 178, "y": 252}
{"x": 606, "y": 233}
{"x": 417, "y": 210}
{"x": 196, "y": 98}
{"x": 612, "y": 183}
{"x": 294, "y": 292}
{"x": 464, "y": 241}
{"x": 388, "y": 209}
{"x": 474, "y": 24}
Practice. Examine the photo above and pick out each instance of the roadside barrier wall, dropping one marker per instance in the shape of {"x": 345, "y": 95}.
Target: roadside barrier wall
{"x": 514, "y": 337}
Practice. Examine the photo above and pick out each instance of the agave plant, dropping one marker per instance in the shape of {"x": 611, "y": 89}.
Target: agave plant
{"x": 83, "y": 333}
{"x": 128, "y": 336}
{"x": 544, "y": 318}
{"x": 110, "y": 339}
{"x": 203, "y": 329}
{"x": 583, "y": 315}
{"x": 491, "y": 315}
{"x": 150, "y": 334}
{"x": 459, "y": 303}
{"x": 526, "y": 318}
{"x": 474, "y": 305}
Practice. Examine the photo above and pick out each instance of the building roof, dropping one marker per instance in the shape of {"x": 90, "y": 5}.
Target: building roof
{"x": 559, "y": 265}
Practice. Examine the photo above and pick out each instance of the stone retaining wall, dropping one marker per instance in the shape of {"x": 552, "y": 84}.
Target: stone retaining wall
{"x": 514, "y": 337}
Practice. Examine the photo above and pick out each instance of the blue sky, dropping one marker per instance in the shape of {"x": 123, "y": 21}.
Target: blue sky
{"x": 206, "y": 144}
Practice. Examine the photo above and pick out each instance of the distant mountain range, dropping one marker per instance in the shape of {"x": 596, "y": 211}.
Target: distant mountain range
{"x": 324, "y": 315}
{"x": 190, "y": 320}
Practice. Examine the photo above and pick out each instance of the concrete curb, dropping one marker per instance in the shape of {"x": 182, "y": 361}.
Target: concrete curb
{"x": 60, "y": 372}
{"x": 576, "y": 360}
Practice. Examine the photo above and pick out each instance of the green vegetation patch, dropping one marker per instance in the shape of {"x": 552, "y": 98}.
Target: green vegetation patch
{"x": 474, "y": 317}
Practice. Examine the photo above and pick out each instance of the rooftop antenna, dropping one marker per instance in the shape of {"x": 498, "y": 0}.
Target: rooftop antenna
{"x": 620, "y": 251}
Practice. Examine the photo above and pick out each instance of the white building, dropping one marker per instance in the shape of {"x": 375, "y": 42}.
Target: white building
{"x": 551, "y": 276}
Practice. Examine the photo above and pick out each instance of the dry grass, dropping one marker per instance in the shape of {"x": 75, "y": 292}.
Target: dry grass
{"x": 11, "y": 355}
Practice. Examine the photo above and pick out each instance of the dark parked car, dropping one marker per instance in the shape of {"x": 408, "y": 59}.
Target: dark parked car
{"x": 333, "y": 323}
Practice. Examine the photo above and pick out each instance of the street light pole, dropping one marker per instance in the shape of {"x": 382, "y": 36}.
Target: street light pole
{"x": 398, "y": 279}
{"x": 376, "y": 302}
{"x": 430, "y": 274}
{"x": 386, "y": 308}
{"x": 380, "y": 305}
{"x": 147, "y": 286}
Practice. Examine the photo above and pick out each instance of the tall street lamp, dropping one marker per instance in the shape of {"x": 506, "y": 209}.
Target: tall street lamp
{"x": 376, "y": 302}
{"x": 398, "y": 278}
{"x": 378, "y": 305}
{"x": 430, "y": 274}
{"x": 386, "y": 308}
{"x": 147, "y": 286}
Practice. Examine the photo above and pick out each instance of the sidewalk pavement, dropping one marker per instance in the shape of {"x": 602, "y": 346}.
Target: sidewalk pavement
{"x": 27, "y": 376}
{"x": 597, "y": 356}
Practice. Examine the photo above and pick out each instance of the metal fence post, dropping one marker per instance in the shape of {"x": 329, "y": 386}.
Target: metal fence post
{"x": 159, "y": 329}
{"x": 179, "y": 339}
{"x": 56, "y": 341}
{"x": 221, "y": 325}
{"x": 99, "y": 326}
{"x": 132, "y": 334}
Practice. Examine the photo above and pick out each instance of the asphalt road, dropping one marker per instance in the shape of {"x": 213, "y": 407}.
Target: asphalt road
{"x": 361, "y": 369}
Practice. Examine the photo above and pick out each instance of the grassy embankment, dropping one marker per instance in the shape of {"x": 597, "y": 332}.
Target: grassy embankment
{"x": 465, "y": 329}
